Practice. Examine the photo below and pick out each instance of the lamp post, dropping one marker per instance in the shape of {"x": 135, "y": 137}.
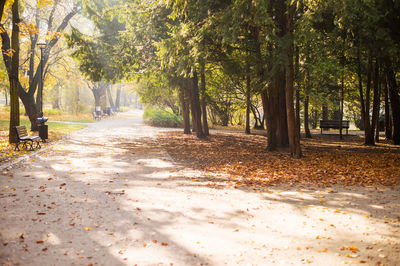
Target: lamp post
{"x": 43, "y": 129}
{"x": 41, "y": 46}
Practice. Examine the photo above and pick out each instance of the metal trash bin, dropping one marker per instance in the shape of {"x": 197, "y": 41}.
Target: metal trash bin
{"x": 43, "y": 129}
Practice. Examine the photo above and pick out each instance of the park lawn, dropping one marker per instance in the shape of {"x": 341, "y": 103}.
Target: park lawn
{"x": 56, "y": 132}
{"x": 242, "y": 161}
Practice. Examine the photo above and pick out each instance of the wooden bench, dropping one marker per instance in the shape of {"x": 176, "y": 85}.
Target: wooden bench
{"x": 335, "y": 124}
{"x": 26, "y": 140}
{"x": 96, "y": 115}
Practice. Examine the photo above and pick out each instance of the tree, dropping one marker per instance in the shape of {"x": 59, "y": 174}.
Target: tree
{"x": 13, "y": 73}
{"x": 27, "y": 94}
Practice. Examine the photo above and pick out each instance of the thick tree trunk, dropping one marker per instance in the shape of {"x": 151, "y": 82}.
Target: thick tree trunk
{"x": 31, "y": 109}
{"x": 294, "y": 141}
{"x": 388, "y": 120}
{"x": 395, "y": 104}
{"x": 274, "y": 100}
{"x": 306, "y": 117}
{"x": 280, "y": 111}
{"x": 96, "y": 96}
{"x": 196, "y": 107}
{"x": 109, "y": 96}
{"x": 203, "y": 100}
{"x": 14, "y": 81}
{"x": 270, "y": 105}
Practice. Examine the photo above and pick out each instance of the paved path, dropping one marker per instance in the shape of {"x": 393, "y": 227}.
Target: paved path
{"x": 109, "y": 195}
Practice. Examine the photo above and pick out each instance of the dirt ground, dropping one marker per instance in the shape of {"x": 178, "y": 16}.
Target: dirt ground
{"x": 111, "y": 195}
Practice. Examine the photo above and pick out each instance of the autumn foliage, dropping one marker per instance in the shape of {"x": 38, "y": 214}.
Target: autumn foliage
{"x": 242, "y": 160}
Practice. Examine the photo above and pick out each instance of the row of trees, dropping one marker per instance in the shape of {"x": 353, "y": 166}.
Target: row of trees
{"x": 41, "y": 20}
{"x": 342, "y": 54}
{"x": 24, "y": 24}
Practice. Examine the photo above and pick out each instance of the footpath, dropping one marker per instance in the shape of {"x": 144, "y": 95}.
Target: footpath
{"x": 109, "y": 195}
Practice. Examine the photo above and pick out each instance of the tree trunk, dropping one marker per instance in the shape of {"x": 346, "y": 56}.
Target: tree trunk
{"x": 360, "y": 88}
{"x": 5, "y": 95}
{"x": 294, "y": 141}
{"x": 56, "y": 103}
{"x": 14, "y": 81}
{"x": 271, "y": 145}
{"x": 341, "y": 108}
{"x": 296, "y": 76}
{"x": 325, "y": 112}
{"x": 183, "y": 97}
{"x": 109, "y": 96}
{"x": 395, "y": 104}
{"x": 388, "y": 120}
{"x": 248, "y": 99}
{"x": 280, "y": 111}
{"x": 368, "y": 129}
{"x": 118, "y": 98}
{"x": 203, "y": 100}
{"x": 196, "y": 107}
{"x": 376, "y": 103}
{"x": 306, "y": 116}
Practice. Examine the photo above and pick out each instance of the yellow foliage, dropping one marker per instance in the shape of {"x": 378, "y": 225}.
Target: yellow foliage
{"x": 42, "y": 3}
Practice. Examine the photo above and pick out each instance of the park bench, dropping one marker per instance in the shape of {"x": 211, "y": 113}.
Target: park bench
{"x": 96, "y": 115}
{"x": 334, "y": 124}
{"x": 26, "y": 140}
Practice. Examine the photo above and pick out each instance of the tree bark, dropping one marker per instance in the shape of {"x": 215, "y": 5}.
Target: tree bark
{"x": 294, "y": 141}
{"x": 14, "y": 100}
{"x": 368, "y": 130}
{"x": 306, "y": 117}
{"x": 184, "y": 98}
{"x": 248, "y": 99}
{"x": 27, "y": 96}
{"x": 360, "y": 88}
{"x": 376, "y": 103}
{"x": 325, "y": 112}
{"x": 109, "y": 96}
{"x": 341, "y": 107}
{"x": 203, "y": 100}
{"x": 395, "y": 104}
{"x": 388, "y": 120}
{"x": 6, "y": 95}
{"x": 118, "y": 98}
{"x": 196, "y": 107}
{"x": 296, "y": 76}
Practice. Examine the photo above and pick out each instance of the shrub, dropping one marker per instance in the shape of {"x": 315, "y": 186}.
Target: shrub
{"x": 161, "y": 118}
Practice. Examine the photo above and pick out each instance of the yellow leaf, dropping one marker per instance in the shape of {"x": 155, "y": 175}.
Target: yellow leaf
{"x": 354, "y": 249}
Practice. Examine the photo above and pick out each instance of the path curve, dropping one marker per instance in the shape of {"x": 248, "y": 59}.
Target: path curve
{"x": 109, "y": 195}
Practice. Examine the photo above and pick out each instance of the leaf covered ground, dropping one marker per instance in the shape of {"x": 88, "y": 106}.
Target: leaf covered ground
{"x": 9, "y": 154}
{"x": 241, "y": 160}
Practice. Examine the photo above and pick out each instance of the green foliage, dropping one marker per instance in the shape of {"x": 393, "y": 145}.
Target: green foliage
{"x": 161, "y": 118}
{"x": 163, "y": 43}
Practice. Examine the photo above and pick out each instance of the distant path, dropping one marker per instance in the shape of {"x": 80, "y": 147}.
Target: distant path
{"x": 109, "y": 195}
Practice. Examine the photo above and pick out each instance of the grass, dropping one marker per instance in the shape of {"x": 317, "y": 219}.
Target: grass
{"x": 57, "y": 131}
